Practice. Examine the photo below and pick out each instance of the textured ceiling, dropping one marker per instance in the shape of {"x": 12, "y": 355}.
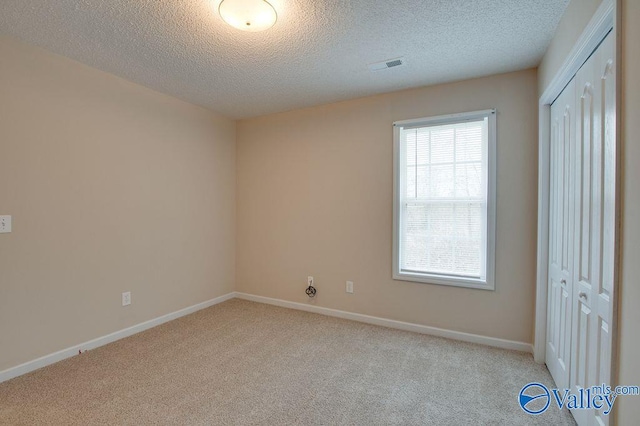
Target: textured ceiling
{"x": 317, "y": 52}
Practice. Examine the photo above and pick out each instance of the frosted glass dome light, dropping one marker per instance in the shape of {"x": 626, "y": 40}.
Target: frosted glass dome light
{"x": 248, "y": 15}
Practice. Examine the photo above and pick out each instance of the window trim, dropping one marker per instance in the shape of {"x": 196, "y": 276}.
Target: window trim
{"x": 490, "y": 250}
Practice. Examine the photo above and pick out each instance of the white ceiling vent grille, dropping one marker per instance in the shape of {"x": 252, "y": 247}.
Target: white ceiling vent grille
{"x": 385, "y": 65}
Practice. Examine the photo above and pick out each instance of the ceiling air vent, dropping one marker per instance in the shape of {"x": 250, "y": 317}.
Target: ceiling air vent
{"x": 385, "y": 65}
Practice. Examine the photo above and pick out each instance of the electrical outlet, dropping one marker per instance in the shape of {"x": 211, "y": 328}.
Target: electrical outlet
{"x": 309, "y": 280}
{"x": 349, "y": 288}
{"x": 5, "y": 224}
{"x": 126, "y": 298}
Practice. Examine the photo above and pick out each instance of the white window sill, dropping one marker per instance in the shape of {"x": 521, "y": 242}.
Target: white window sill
{"x": 444, "y": 280}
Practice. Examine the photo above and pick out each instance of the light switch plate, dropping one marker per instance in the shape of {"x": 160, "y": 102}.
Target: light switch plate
{"x": 5, "y": 224}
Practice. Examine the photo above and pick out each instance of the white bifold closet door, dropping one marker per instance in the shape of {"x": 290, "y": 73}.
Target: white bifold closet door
{"x": 593, "y": 270}
{"x": 561, "y": 214}
{"x": 582, "y": 229}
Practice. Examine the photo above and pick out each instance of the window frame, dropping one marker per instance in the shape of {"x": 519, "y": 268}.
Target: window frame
{"x": 445, "y": 279}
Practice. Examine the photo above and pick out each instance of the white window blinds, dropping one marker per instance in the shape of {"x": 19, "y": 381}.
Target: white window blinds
{"x": 442, "y": 198}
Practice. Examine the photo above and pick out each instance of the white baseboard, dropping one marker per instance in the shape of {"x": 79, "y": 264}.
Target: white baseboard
{"x": 29, "y": 366}
{"x": 417, "y": 328}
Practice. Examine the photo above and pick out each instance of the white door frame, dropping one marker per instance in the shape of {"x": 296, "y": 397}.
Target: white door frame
{"x": 604, "y": 20}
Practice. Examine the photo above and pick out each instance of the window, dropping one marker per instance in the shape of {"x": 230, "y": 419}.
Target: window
{"x": 444, "y": 200}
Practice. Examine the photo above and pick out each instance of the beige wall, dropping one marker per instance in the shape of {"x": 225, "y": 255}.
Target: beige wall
{"x": 629, "y": 361}
{"x": 578, "y": 14}
{"x": 315, "y": 198}
{"x": 112, "y": 187}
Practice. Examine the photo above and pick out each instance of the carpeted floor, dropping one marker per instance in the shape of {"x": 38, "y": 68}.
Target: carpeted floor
{"x": 247, "y": 363}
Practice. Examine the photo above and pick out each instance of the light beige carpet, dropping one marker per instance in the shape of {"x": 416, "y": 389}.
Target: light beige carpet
{"x": 247, "y": 363}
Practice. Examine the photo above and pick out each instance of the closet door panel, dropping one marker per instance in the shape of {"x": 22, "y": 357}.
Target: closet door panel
{"x": 602, "y": 291}
{"x": 586, "y": 224}
{"x": 594, "y": 226}
{"x": 561, "y": 236}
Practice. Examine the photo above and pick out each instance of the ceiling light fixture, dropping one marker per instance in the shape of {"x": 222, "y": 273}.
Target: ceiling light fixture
{"x": 248, "y": 15}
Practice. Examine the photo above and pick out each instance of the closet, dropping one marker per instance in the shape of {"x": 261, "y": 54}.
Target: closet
{"x": 582, "y": 229}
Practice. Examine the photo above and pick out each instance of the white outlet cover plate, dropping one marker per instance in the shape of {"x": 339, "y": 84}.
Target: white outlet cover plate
{"x": 126, "y": 298}
{"x": 5, "y": 224}
{"x": 349, "y": 286}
